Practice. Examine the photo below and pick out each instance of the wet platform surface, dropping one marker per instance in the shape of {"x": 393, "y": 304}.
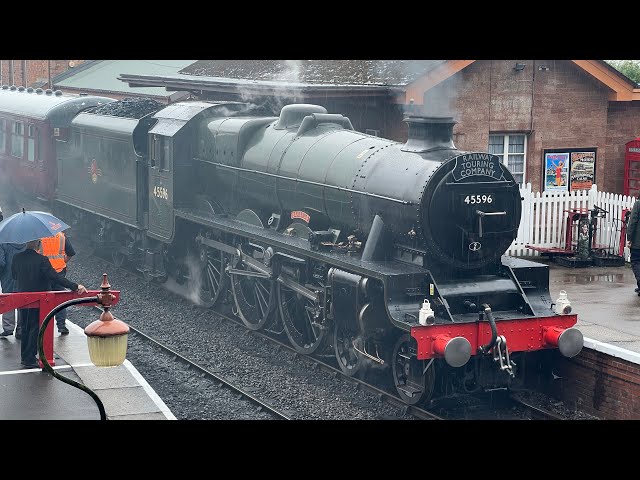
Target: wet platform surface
{"x": 608, "y": 309}
{"x": 34, "y": 394}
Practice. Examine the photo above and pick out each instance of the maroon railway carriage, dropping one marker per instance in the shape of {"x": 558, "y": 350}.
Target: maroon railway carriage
{"x": 31, "y": 121}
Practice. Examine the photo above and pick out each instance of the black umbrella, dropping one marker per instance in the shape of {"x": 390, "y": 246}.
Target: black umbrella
{"x": 22, "y": 227}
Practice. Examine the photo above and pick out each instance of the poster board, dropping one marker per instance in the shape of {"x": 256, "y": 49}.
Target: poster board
{"x": 569, "y": 169}
{"x": 582, "y": 170}
{"x": 556, "y": 167}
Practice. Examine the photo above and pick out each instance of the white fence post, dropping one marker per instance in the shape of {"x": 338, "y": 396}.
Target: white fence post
{"x": 544, "y": 217}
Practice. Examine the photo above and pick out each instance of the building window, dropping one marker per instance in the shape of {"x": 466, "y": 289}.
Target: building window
{"x": 511, "y": 150}
{"x": 17, "y": 140}
{"x": 2, "y": 135}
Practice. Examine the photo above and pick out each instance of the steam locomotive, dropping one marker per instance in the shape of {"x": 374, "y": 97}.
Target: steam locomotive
{"x": 383, "y": 254}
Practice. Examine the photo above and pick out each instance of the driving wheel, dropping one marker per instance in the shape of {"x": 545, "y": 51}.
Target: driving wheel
{"x": 213, "y": 279}
{"x": 254, "y": 297}
{"x": 301, "y": 319}
{"x": 412, "y": 383}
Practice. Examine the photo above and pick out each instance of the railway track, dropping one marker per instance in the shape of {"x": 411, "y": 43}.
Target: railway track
{"x": 403, "y": 409}
{"x": 318, "y": 363}
{"x": 536, "y": 412}
{"x": 202, "y": 372}
{"x": 497, "y": 405}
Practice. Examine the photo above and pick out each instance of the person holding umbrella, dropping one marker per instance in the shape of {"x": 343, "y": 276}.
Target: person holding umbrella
{"x": 32, "y": 271}
{"x": 7, "y": 252}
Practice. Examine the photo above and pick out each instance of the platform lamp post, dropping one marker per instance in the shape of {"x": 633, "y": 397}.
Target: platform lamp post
{"x": 106, "y": 339}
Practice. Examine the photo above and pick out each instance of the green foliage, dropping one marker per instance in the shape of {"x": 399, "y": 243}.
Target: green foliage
{"x": 629, "y": 68}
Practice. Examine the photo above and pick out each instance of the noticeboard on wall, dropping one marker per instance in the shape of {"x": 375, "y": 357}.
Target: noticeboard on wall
{"x": 569, "y": 169}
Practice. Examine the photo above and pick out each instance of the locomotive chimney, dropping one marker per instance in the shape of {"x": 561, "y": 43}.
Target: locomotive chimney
{"x": 427, "y": 134}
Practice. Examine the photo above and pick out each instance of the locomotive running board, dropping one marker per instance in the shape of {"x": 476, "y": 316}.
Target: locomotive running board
{"x": 397, "y": 277}
{"x": 294, "y": 245}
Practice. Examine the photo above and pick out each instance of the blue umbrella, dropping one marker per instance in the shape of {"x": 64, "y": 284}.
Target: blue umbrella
{"x": 22, "y": 227}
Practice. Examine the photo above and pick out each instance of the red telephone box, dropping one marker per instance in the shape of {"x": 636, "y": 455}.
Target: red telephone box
{"x": 632, "y": 168}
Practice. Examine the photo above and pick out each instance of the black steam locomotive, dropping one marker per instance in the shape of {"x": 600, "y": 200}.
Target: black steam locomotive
{"x": 387, "y": 255}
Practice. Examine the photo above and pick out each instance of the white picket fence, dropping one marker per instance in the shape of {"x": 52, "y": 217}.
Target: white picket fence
{"x": 544, "y": 219}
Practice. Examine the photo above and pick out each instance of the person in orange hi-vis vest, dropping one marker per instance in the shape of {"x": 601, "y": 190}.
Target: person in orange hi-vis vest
{"x": 58, "y": 250}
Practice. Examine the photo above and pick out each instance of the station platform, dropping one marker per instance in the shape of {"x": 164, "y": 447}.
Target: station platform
{"x": 608, "y": 309}
{"x": 34, "y": 394}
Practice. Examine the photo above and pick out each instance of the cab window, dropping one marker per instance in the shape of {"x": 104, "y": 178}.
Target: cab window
{"x": 160, "y": 152}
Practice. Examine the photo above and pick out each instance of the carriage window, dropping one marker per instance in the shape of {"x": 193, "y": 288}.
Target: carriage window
{"x": 2, "y": 135}
{"x": 31, "y": 143}
{"x": 38, "y": 156}
{"x": 511, "y": 150}
{"x": 17, "y": 140}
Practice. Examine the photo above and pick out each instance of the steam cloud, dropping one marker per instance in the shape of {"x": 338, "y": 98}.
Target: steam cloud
{"x": 441, "y": 100}
{"x": 283, "y": 94}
